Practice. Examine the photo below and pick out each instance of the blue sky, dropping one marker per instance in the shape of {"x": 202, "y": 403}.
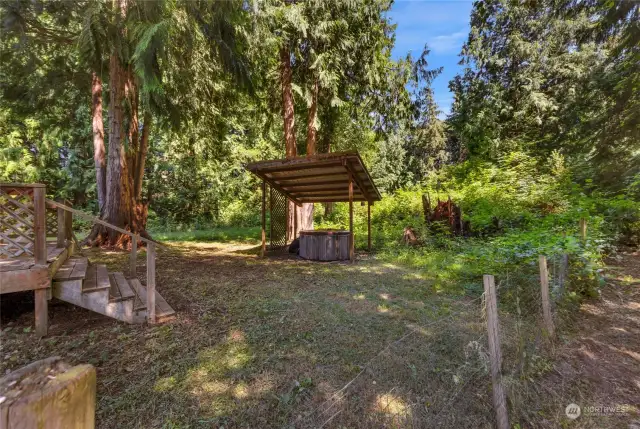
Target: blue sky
{"x": 444, "y": 25}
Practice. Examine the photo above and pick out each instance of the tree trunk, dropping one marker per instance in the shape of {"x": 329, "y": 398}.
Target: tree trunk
{"x": 289, "y": 129}
{"x": 287, "y": 103}
{"x": 312, "y": 131}
{"x": 306, "y": 212}
{"x": 98, "y": 139}
{"x": 117, "y": 163}
{"x": 143, "y": 149}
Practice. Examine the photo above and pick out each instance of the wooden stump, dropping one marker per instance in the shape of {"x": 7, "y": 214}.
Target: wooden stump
{"x": 49, "y": 394}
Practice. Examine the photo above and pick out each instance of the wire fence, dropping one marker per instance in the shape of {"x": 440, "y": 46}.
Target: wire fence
{"x": 440, "y": 374}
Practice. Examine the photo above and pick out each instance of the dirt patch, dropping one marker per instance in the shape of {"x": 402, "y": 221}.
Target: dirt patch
{"x": 598, "y": 366}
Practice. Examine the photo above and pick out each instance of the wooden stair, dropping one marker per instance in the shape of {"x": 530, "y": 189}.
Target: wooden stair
{"x": 92, "y": 287}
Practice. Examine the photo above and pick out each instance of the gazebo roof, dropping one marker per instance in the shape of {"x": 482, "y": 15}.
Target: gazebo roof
{"x": 319, "y": 178}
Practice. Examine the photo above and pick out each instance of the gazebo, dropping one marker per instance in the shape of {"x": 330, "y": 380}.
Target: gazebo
{"x": 323, "y": 178}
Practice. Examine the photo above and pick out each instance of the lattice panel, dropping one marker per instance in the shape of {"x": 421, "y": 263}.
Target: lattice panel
{"x": 16, "y": 222}
{"x": 52, "y": 222}
{"x": 278, "y": 206}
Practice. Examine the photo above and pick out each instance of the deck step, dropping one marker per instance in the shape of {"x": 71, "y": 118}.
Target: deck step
{"x": 97, "y": 278}
{"x": 119, "y": 289}
{"x": 163, "y": 309}
{"x": 72, "y": 269}
{"x": 139, "y": 302}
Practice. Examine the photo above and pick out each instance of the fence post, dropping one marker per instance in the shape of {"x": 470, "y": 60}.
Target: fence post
{"x": 583, "y": 229}
{"x": 62, "y": 234}
{"x": 151, "y": 282}
{"x": 133, "y": 256}
{"x": 544, "y": 290}
{"x": 495, "y": 354}
{"x": 40, "y": 254}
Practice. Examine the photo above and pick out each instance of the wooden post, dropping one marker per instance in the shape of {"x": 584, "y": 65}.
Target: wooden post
{"x": 295, "y": 221}
{"x": 369, "y": 226}
{"x": 40, "y": 253}
{"x": 67, "y": 400}
{"x": 39, "y": 226}
{"x": 351, "y": 238}
{"x": 499, "y": 402}
{"x": 151, "y": 282}
{"x": 68, "y": 223}
{"x": 133, "y": 256}
{"x": 544, "y": 289}
{"x": 263, "y": 247}
{"x": 583, "y": 229}
{"x": 62, "y": 233}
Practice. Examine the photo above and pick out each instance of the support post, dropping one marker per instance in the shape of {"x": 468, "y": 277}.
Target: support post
{"x": 68, "y": 223}
{"x": 40, "y": 253}
{"x": 499, "y": 402}
{"x": 62, "y": 234}
{"x": 351, "y": 240}
{"x": 295, "y": 221}
{"x": 39, "y": 226}
{"x": 369, "y": 226}
{"x": 583, "y": 229}
{"x": 133, "y": 256}
{"x": 42, "y": 312}
{"x": 263, "y": 247}
{"x": 544, "y": 290}
{"x": 151, "y": 282}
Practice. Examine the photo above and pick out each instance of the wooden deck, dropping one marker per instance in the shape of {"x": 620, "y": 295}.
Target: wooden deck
{"x": 36, "y": 253}
{"x": 26, "y": 262}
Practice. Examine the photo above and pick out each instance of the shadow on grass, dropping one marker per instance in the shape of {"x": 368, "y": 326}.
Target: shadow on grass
{"x": 223, "y": 234}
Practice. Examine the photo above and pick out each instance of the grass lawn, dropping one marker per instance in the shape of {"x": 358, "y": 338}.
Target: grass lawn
{"x": 277, "y": 342}
{"x": 222, "y": 234}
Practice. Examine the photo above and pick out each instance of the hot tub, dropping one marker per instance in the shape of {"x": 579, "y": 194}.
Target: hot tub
{"x": 324, "y": 245}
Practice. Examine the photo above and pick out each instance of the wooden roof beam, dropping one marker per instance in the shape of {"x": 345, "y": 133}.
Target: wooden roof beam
{"x": 277, "y": 187}
{"x": 356, "y": 178}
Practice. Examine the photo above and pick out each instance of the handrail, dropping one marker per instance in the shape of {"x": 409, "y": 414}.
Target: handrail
{"x": 101, "y": 222}
{"x": 151, "y": 255}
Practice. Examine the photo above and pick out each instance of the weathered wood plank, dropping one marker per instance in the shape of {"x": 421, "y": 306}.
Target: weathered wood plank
{"x": 39, "y": 226}
{"x": 114, "y": 291}
{"x": 141, "y": 294}
{"x": 123, "y": 286}
{"x": 22, "y": 280}
{"x": 544, "y": 292}
{"x": 90, "y": 279}
{"x": 133, "y": 257}
{"x": 495, "y": 354}
{"x": 79, "y": 270}
{"x": 42, "y": 312}
{"x": 151, "y": 283}
{"x": 65, "y": 270}
{"x": 102, "y": 277}
{"x": 67, "y": 401}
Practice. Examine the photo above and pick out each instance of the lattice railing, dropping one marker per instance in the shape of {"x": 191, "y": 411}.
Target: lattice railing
{"x": 17, "y": 219}
{"x": 52, "y": 221}
{"x": 278, "y": 207}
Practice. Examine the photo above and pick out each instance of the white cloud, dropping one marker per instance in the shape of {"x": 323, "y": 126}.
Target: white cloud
{"x": 447, "y": 43}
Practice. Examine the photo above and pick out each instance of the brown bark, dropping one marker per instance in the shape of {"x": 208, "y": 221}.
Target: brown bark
{"x": 287, "y": 103}
{"x": 312, "y": 131}
{"x": 141, "y": 159}
{"x": 121, "y": 207}
{"x": 117, "y": 164}
{"x": 289, "y": 129}
{"x": 306, "y": 212}
{"x": 98, "y": 139}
